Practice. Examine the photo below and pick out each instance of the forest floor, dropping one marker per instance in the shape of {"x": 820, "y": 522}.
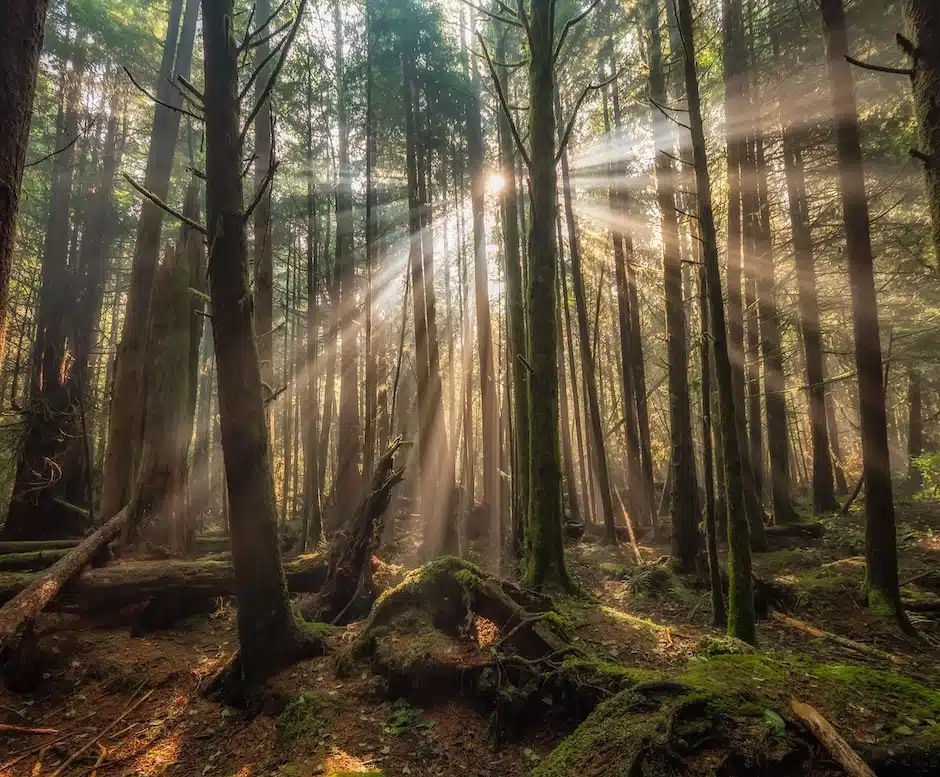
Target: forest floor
{"x": 131, "y": 705}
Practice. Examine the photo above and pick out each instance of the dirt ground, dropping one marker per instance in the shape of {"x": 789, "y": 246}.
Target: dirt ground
{"x": 110, "y": 704}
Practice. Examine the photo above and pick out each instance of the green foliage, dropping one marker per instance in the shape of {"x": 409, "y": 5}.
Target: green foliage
{"x": 928, "y": 465}
{"x": 405, "y": 718}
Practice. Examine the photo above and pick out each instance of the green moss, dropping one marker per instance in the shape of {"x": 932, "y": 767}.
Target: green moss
{"x": 305, "y": 717}
{"x": 891, "y": 691}
{"x": 558, "y": 623}
{"x": 717, "y": 646}
{"x": 319, "y": 630}
{"x": 615, "y": 571}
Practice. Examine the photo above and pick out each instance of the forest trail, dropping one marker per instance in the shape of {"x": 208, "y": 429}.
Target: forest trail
{"x": 645, "y": 619}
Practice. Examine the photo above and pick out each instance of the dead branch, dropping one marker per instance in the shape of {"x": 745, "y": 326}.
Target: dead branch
{"x": 158, "y": 101}
{"x": 11, "y": 729}
{"x": 262, "y": 189}
{"x": 166, "y": 208}
{"x": 285, "y": 50}
{"x": 494, "y": 16}
{"x": 258, "y": 68}
{"x": 520, "y": 147}
{"x": 851, "y": 644}
{"x": 570, "y": 24}
{"x": 577, "y": 106}
{"x": 896, "y": 71}
{"x": 822, "y": 729}
{"x": 250, "y": 34}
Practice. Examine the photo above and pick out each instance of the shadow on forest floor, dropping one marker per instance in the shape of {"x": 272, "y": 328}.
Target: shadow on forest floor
{"x": 644, "y": 618}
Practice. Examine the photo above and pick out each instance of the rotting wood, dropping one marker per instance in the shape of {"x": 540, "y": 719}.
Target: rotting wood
{"x": 160, "y": 585}
{"x": 813, "y": 631}
{"x": 831, "y": 739}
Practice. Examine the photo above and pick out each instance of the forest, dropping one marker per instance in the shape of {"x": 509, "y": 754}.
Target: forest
{"x": 470, "y": 387}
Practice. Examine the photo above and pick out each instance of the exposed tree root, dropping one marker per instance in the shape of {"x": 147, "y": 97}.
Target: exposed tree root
{"x": 229, "y": 685}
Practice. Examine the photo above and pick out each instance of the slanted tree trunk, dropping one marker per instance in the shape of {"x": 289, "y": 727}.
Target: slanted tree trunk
{"x": 686, "y": 539}
{"x": 268, "y": 635}
{"x": 880, "y": 535}
{"x": 741, "y": 620}
{"x": 545, "y": 564}
{"x": 20, "y": 44}
{"x": 922, "y": 20}
{"x": 129, "y": 388}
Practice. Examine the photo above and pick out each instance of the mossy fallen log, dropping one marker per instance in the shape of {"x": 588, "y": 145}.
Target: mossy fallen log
{"x": 154, "y": 594}
{"x": 31, "y": 561}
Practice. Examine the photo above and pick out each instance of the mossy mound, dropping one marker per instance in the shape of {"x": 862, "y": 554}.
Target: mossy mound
{"x": 664, "y": 729}
{"x": 305, "y": 721}
{"x": 728, "y": 713}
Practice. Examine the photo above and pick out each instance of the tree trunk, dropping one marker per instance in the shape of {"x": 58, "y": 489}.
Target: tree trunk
{"x": 880, "y": 535}
{"x": 371, "y": 342}
{"x": 268, "y": 634}
{"x": 546, "y": 562}
{"x": 630, "y": 346}
{"x": 516, "y": 323}
{"x": 263, "y": 234}
{"x": 741, "y": 621}
{"x": 922, "y": 20}
{"x": 915, "y": 430}
{"x": 686, "y": 539}
{"x": 824, "y": 497}
{"x": 570, "y": 491}
{"x": 348, "y": 443}
{"x": 20, "y": 44}
{"x": 490, "y": 408}
{"x": 129, "y": 388}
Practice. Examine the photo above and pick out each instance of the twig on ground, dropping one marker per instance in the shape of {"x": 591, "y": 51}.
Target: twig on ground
{"x": 12, "y": 729}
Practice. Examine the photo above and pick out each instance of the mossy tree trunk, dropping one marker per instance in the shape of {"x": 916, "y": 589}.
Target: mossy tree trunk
{"x": 545, "y": 565}
{"x": 741, "y": 620}
{"x": 880, "y": 534}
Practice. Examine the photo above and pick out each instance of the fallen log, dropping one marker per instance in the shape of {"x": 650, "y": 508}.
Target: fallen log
{"x": 811, "y": 529}
{"x": 851, "y": 644}
{"x": 167, "y": 585}
{"x": 32, "y": 561}
{"x": 30, "y": 546}
{"x": 822, "y": 729}
{"x": 17, "y": 614}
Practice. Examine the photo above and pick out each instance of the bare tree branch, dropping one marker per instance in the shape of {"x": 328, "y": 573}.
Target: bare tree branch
{"x": 896, "y": 71}
{"x": 91, "y": 123}
{"x": 495, "y": 16}
{"x": 520, "y": 147}
{"x": 570, "y": 24}
{"x": 249, "y": 35}
{"x": 261, "y": 41}
{"x": 574, "y": 113}
{"x": 190, "y": 88}
{"x": 183, "y": 111}
{"x": 258, "y": 68}
{"x": 285, "y": 50}
{"x": 164, "y": 207}
{"x": 262, "y": 189}
{"x": 663, "y": 112}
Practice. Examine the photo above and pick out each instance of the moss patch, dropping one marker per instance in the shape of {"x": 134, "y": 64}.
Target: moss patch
{"x": 305, "y": 718}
